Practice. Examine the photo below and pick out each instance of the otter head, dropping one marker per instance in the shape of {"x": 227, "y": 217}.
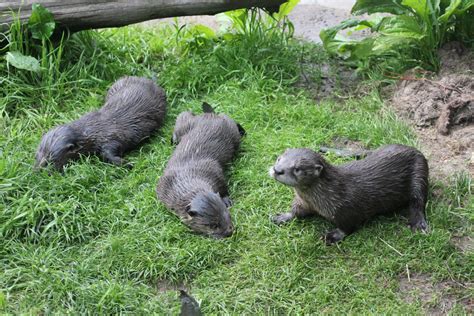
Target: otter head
{"x": 57, "y": 147}
{"x": 209, "y": 215}
{"x": 298, "y": 167}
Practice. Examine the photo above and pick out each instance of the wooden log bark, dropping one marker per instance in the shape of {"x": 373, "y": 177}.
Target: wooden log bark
{"x": 79, "y": 15}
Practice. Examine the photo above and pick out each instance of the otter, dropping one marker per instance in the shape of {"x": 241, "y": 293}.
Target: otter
{"x": 134, "y": 108}
{"x": 389, "y": 179}
{"x": 189, "y": 305}
{"x": 193, "y": 184}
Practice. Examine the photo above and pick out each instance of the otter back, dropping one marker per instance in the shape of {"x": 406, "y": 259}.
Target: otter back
{"x": 193, "y": 185}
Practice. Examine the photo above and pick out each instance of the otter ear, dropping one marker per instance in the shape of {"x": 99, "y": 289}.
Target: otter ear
{"x": 317, "y": 170}
{"x": 242, "y": 131}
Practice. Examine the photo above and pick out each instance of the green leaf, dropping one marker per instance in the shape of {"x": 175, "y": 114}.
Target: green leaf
{"x": 329, "y": 34}
{"x": 205, "y": 31}
{"x": 41, "y": 22}
{"x": 359, "y": 50}
{"x": 20, "y": 61}
{"x": 465, "y": 5}
{"x": 424, "y": 8}
{"x": 344, "y": 47}
{"x": 383, "y": 44}
{"x": 400, "y": 26}
{"x": 449, "y": 11}
{"x": 285, "y": 9}
{"x": 376, "y": 6}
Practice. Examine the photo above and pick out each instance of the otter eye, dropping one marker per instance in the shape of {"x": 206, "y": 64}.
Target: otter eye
{"x": 297, "y": 170}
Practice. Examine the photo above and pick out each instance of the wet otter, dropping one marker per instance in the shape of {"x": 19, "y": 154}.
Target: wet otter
{"x": 389, "y": 179}
{"x": 189, "y": 305}
{"x": 193, "y": 184}
{"x": 134, "y": 108}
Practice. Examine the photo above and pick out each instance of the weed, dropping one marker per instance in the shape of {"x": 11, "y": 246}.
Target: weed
{"x": 407, "y": 38}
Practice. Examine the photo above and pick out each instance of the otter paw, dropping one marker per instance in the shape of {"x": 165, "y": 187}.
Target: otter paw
{"x": 227, "y": 201}
{"x": 282, "y": 218}
{"x": 420, "y": 225}
{"x": 333, "y": 236}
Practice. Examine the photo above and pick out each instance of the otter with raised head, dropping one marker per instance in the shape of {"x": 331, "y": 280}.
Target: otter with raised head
{"x": 193, "y": 185}
{"x": 134, "y": 108}
{"x": 389, "y": 179}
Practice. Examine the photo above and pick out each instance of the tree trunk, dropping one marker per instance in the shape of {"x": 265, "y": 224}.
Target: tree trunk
{"x": 77, "y": 15}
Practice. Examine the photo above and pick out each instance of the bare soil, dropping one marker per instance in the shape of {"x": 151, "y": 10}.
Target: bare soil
{"x": 465, "y": 244}
{"x": 441, "y": 107}
{"x": 166, "y": 285}
{"x": 436, "y": 298}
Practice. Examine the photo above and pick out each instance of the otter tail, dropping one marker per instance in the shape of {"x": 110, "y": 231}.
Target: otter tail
{"x": 207, "y": 108}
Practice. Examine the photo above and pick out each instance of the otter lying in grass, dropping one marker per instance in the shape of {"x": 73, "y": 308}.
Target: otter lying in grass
{"x": 193, "y": 184}
{"x": 134, "y": 108}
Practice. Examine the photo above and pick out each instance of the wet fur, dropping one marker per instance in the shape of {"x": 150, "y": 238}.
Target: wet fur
{"x": 390, "y": 179}
{"x": 134, "y": 108}
{"x": 193, "y": 184}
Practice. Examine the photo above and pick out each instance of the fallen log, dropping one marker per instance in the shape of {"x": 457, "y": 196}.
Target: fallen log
{"x": 77, "y": 15}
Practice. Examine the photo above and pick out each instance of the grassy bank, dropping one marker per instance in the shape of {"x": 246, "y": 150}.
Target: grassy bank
{"x": 96, "y": 239}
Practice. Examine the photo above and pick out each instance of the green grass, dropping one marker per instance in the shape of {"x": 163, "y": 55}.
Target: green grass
{"x": 96, "y": 239}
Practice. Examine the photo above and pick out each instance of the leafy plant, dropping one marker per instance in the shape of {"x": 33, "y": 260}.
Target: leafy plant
{"x": 408, "y": 37}
{"x": 244, "y": 47}
{"x": 253, "y": 21}
{"x": 252, "y": 24}
{"x": 30, "y": 41}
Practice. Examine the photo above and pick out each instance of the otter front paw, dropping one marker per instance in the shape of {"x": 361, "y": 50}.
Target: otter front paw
{"x": 333, "y": 236}
{"x": 282, "y": 218}
{"x": 227, "y": 201}
{"x": 420, "y": 225}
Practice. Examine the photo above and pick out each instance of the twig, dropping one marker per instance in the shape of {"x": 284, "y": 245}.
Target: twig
{"x": 408, "y": 273}
{"x": 391, "y": 247}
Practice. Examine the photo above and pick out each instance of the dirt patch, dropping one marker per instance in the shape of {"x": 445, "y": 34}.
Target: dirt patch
{"x": 436, "y": 298}
{"x": 346, "y": 143}
{"x": 328, "y": 81}
{"x": 165, "y": 286}
{"x": 442, "y": 109}
{"x": 464, "y": 243}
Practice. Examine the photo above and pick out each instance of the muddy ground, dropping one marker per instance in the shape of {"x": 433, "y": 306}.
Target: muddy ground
{"x": 436, "y": 297}
{"x": 441, "y": 108}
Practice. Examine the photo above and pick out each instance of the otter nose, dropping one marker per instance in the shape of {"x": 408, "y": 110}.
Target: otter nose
{"x": 229, "y": 231}
{"x": 278, "y": 171}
